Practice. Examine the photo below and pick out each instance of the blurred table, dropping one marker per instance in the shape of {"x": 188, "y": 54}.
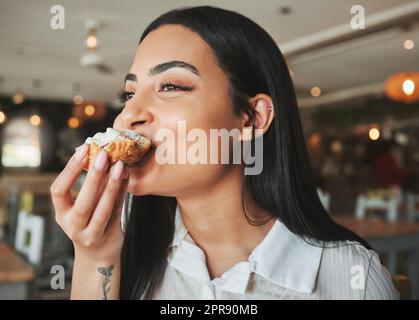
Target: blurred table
{"x": 15, "y": 274}
{"x": 386, "y": 237}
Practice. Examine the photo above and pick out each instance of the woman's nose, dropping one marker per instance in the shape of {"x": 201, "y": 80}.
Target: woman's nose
{"x": 131, "y": 119}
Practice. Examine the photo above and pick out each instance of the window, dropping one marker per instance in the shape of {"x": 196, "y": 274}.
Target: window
{"x": 21, "y": 144}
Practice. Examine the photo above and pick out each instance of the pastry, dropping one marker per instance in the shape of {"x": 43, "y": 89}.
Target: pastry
{"x": 125, "y": 145}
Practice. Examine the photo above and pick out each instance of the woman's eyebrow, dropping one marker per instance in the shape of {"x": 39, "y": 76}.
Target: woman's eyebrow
{"x": 173, "y": 64}
{"x": 130, "y": 77}
{"x": 163, "y": 67}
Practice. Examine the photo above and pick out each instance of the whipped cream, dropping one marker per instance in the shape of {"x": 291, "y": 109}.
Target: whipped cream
{"x": 103, "y": 138}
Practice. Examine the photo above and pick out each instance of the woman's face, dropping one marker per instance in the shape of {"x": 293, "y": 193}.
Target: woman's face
{"x": 175, "y": 78}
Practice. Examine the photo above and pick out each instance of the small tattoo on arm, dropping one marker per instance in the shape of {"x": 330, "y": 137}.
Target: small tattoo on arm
{"x": 107, "y": 272}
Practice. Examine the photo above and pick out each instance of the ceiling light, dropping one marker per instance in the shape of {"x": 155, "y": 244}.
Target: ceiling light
{"x": 18, "y": 98}
{"x": 402, "y": 87}
{"x": 92, "y": 41}
{"x": 374, "y": 134}
{"x": 78, "y": 99}
{"x": 408, "y": 87}
{"x": 89, "y": 110}
{"x": 3, "y": 117}
{"x": 35, "y": 120}
{"x": 73, "y": 122}
{"x": 409, "y": 44}
{"x": 316, "y": 91}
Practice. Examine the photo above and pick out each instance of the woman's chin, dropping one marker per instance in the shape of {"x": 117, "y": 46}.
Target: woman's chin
{"x": 142, "y": 181}
{"x": 137, "y": 186}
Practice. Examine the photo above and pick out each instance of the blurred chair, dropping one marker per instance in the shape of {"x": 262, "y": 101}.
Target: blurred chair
{"x": 412, "y": 200}
{"x": 390, "y": 206}
{"x": 30, "y": 236}
{"x": 324, "y": 198}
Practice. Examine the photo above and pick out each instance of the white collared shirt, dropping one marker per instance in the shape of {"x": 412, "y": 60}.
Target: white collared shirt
{"x": 282, "y": 266}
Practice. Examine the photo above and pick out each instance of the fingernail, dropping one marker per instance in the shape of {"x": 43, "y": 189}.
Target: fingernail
{"x": 117, "y": 170}
{"x": 101, "y": 160}
{"x": 80, "y": 146}
{"x": 81, "y": 152}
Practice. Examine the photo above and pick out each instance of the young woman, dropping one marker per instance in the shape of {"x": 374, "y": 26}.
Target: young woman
{"x": 209, "y": 230}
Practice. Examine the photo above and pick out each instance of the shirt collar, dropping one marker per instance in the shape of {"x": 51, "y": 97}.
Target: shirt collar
{"x": 282, "y": 257}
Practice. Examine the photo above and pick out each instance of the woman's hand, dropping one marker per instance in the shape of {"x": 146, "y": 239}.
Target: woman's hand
{"x": 92, "y": 221}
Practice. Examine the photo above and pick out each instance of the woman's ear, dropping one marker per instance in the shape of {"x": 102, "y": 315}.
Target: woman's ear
{"x": 263, "y": 116}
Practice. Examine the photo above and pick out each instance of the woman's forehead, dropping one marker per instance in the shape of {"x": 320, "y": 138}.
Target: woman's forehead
{"x": 173, "y": 43}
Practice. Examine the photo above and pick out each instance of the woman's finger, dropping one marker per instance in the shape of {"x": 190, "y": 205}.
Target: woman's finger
{"x": 89, "y": 193}
{"x": 61, "y": 187}
{"x": 107, "y": 201}
{"x": 115, "y": 219}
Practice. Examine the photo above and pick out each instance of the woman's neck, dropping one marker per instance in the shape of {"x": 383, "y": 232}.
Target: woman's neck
{"x": 217, "y": 223}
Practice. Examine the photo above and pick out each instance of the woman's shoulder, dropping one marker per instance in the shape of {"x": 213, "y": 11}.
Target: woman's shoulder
{"x": 350, "y": 251}
{"x": 356, "y": 269}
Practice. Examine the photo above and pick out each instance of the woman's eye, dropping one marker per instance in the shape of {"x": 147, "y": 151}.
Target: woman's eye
{"x": 124, "y": 96}
{"x": 165, "y": 87}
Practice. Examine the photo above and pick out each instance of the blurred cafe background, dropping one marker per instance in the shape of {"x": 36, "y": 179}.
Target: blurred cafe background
{"x": 357, "y": 86}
